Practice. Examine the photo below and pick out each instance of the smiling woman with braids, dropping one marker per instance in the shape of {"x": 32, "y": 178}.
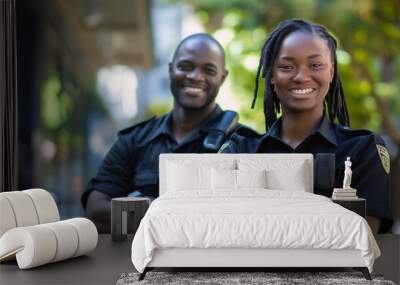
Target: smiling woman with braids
{"x": 298, "y": 63}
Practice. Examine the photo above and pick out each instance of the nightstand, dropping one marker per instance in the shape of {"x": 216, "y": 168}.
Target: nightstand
{"x": 120, "y": 207}
{"x": 357, "y": 205}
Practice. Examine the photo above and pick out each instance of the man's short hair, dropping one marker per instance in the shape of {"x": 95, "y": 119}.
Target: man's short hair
{"x": 200, "y": 36}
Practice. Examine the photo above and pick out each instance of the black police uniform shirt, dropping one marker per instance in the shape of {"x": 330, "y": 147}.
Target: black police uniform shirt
{"x": 369, "y": 157}
{"x": 132, "y": 162}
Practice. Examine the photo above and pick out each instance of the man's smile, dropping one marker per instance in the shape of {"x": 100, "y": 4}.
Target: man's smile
{"x": 194, "y": 89}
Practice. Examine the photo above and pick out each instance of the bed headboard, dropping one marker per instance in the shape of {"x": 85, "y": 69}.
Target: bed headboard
{"x": 289, "y": 165}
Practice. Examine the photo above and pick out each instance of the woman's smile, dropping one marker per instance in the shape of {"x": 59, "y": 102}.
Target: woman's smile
{"x": 302, "y": 91}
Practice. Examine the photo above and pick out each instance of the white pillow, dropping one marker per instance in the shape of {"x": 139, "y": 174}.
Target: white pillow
{"x": 284, "y": 174}
{"x": 226, "y": 179}
{"x": 182, "y": 177}
{"x": 293, "y": 180}
{"x": 251, "y": 178}
{"x": 223, "y": 179}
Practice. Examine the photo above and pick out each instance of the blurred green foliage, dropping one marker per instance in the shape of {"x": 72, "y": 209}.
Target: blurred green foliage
{"x": 64, "y": 110}
{"x": 55, "y": 105}
{"x": 368, "y": 32}
{"x": 159, "y": 108}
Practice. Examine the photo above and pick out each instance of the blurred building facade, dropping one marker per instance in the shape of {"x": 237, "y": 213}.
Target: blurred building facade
{"x": 86, "y": 69}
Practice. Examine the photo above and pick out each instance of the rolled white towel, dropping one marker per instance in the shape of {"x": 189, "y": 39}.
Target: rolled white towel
{"x": 45, "y": 205}
{"x": 23, "y": 209}
{"x": 26, "y": 208}
{"x": 40, "y": 244}
{"x": 66, "y": 238}
{"x": 33, "y": 246}
{"x": 7, "y": 218}
{"x": 87, "y": 235}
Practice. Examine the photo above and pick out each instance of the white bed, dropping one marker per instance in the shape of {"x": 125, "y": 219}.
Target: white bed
{"x": 215, "y": 211}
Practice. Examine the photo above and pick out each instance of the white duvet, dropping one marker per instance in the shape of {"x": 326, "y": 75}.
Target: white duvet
{"x": 252, "y": 218}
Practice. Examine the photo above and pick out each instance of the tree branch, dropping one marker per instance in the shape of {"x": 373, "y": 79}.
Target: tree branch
{"x": 383, "y": 107}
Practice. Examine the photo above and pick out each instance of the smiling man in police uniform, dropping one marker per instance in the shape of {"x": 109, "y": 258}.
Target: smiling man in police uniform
{"x": 195, "y": 125}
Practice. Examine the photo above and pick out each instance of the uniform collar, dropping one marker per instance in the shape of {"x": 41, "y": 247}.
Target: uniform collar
{"x": 162, "y": 127}
{"x": 275, "y": 130}
{"x": 165, "y": 125}
{"x": 325, "y": 130}
{"x": 209, "y": 122}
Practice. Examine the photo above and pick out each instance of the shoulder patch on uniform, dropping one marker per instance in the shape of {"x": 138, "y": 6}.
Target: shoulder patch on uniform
{"x": 384, "y": 156}
{"x": 223, "y": 147}
{"x": 356, "y": 132}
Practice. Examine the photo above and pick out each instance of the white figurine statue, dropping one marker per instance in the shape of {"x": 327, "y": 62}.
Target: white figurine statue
{"x": 347, "y": 174}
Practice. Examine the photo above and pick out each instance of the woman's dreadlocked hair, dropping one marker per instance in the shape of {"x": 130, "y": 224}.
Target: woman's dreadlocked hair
{"x": 335, "y": 101}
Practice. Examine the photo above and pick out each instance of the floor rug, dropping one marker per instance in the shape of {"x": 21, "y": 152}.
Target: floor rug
{"x": 244, "y": 278}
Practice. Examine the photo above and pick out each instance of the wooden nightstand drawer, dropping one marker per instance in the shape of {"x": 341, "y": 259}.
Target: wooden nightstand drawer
{"x": 357, "y": 205}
